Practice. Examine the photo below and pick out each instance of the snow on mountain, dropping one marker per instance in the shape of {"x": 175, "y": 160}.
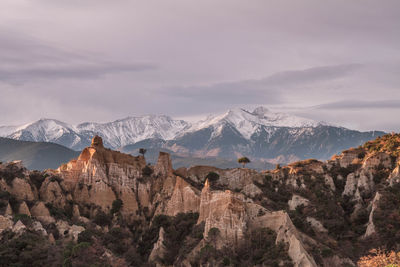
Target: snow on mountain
{"x": 45, "y": 129}
{"x": 133, "y": 129}
{"x": 7, "y": 130}
{"x": 116, "y": 134}
{"x": 259, "y": 133}
{"x": 247, "y": 123}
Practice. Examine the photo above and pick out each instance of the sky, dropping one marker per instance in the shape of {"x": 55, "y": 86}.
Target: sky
{"x": 100, "y": 60}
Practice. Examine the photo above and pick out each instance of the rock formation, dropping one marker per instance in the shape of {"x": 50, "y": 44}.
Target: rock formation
{"x": 312, "y": 207}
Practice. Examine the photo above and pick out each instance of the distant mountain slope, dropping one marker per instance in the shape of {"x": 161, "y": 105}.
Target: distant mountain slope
{"x": 38, "y": 156}
{"x": 259, "y": 134}
{"x": 154, "y": 146}
{"x": 115, "y": 134}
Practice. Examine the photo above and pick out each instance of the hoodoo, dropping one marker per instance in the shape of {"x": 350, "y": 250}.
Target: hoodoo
{"x": 303, "y": 213}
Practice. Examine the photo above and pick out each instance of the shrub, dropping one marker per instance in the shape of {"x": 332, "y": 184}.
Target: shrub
{"x": 147, "y": 171}
{"x": 10, "y": 173}
{"x": 4, "y": 195}
{"x": 387, "y": 216}
{"x": 326, "y": 252}
{"x": 37, "y": 178}
{"x": 85, "y": 236}
{"x": 25, "y": 219}
{"x": 28, "y": 249}
{"x": 116, "y": 206}
{"x": 102, "y": 219}
{"x": 113, "y": 240}
{"x": 243, "y": 161}
{"x": 378, "y": 257}
{"x": 212, "y": 176}
{"x": 55, "y": 178}
{"x": 78, "y": 247}
{"x": 60, "y": 214}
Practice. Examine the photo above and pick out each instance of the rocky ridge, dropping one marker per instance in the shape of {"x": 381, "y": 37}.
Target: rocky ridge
{"x": 317, "y": 213}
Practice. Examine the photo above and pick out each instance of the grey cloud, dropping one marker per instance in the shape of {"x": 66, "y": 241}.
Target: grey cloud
{"x": 213, "y": 55}
{"x": 269, "y": 90}
{"x": 357, "y": 104}
{"x": 76, "y": 71}
{"x": 316, "y": 74}
{"x": 24, "y": 59}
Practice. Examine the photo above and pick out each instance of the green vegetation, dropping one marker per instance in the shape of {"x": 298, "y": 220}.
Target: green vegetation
{"x": 387, "y": 216}
{"x": 212, "y": 177}
{"x": 25, "y": 219}
{"x": 37, "y": 178}
{"x": 10, "y": 172}
{"x": 116, "y": 206}
{"x": 147, "y": 171}
{"x": 58, "y": 213}
{"x": 82, "y": 254}
{"x": 243, "y": 161}
{"x": 176, "y": 230}
{"x": 102, "y": 218}
{"x": 28, "y": 249}
{"x": 277, "y": 193}
{"x": 389, "y": 143}
{"x": 259, "y": 248}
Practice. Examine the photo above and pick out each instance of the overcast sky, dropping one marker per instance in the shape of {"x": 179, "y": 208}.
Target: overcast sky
{"x": 101, "y": 60}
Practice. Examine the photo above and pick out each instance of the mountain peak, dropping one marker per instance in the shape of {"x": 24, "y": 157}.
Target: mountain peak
{"x": 260, "y": 110}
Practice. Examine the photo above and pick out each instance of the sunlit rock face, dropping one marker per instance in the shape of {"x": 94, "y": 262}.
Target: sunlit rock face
{"x": 99, "y": 176}
{"x": 224, "y": 210}
{"x": 303, "y": 203}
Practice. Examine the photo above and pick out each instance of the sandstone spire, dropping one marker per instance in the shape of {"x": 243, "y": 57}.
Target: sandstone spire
{"x": 206, "y": 185}
{"x": 97, "y": 142}
{"x": 164, "y": 165}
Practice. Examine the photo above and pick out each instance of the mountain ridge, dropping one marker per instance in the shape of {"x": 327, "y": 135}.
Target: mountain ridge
{"x": 35, "y": 155}
{"x": 260, "y": 134}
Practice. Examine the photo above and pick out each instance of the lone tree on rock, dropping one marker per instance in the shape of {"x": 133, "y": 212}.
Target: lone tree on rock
{"x": 142, "y": 151}
{"x": 243, "y": 161}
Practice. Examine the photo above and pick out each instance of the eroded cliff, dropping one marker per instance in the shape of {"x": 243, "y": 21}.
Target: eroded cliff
{"x": 309, "y": 213}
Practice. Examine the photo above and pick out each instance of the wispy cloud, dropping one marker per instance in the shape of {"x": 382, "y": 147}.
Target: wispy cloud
{"x": 268, "y": 90}
{"x": 24, "y": 59}
{"x": 359, "y": 105}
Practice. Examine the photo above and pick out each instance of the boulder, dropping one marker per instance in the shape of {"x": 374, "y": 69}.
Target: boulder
{"x": 41, "y": 212}
{"x": 22, "y": 190}
{"x": 316, "y": 225}
{"x": 251, "y": 190}
{"x": 19, "y": 228}
{"x": 297, "y": 201}
{"x": 37, "y": 226}
{"x": 23, "y": 209}
{"x": 68, "y": 231}
{"x": 51, "y": 192}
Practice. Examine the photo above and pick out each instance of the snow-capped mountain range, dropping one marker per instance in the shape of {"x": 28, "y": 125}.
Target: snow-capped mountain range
{"x": 259, "y": 133}
{"x": 115, "y": 134}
